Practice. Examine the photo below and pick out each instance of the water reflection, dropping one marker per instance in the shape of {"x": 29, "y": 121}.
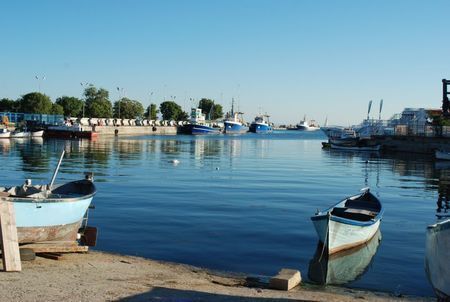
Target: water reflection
{"x": 343, "y": 267}
{"x": 437, "y": 258}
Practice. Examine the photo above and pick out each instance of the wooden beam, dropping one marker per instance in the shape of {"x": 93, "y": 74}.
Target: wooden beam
{"x": 9, "y": 241}
{"x": 55, "y": 248}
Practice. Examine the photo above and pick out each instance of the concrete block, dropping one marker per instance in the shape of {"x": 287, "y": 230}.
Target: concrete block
{"x": 286, "y": 279}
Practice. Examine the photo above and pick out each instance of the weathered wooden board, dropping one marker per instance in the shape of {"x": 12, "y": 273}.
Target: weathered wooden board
{"x": 9, "y": 241}
{"x": 56, "y": 247}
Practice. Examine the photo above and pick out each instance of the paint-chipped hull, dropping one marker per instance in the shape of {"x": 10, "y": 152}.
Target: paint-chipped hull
{"x": 53, "y": 217}
{"x": 437, "y": 258}
{"x": 66, "y": 232}
{"x": 340, "y": 236}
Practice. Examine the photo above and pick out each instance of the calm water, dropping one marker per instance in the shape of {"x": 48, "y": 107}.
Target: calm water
{"x": 241, "y": 203}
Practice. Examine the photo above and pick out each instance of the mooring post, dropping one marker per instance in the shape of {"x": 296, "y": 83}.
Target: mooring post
{"x": 9, "y": 241}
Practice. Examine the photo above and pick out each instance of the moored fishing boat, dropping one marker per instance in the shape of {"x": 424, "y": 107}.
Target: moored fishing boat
{"x": 306, "y": 125}
{"x": 49, "y": 213}
{"x": 261, "y": 124}
{"x": 437, "y": 257}
{"x": 349, "y": 223}
{"x": 198, "y": 124}
{"x": 69, "y": 131}
{"x": 234, "y": 123}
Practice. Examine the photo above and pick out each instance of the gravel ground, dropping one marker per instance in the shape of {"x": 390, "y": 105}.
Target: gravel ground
{"x": 98, "y": 276}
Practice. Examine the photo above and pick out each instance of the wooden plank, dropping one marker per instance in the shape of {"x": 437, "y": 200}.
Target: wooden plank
{"x": 9, "y": 241}
{"x": 55, "y": 248}
{"x": 53, "y": 256}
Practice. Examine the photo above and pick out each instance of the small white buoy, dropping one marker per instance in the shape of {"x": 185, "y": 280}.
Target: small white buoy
{"x": 175, "y": 161}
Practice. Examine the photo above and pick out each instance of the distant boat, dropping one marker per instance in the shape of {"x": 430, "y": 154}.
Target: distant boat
{"x": 343, "y": 267}
{"x": 261, "y": 124}
{"x": 306, "y": 125}
{"x": 437, "y": 258}
{"x": 444, "y": 155}
{"x": 38, "y": 133}
{"x": 5, "y": 133}
{"x": 20, "y": 134}
{"x": 234, "y": 124}
{"x": 49, "y": 214}
{"x": 351, "y": 222}
{"x": 69, "y": 130}
{"x": 198, "y": 124}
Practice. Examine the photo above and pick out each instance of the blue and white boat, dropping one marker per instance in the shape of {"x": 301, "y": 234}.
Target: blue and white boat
{"x": 44, "y": 214}
{"x": 261, "y": 124}
{"x": 198, "y": 124}
{"x": 234, "y": 124}
{"x": 349, "y": 223}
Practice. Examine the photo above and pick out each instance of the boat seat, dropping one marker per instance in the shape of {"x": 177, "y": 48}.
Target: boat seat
{"x": 361, "y": 211}
{"x": 360, "y": 204}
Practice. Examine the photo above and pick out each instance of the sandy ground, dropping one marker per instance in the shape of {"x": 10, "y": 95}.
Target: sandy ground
{"x": 98, "y": 276}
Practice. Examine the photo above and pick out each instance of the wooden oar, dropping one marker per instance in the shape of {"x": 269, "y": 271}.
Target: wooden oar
{"x": 56, "y": 171}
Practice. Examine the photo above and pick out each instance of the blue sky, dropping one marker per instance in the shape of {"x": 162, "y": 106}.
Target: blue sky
{"x": 286, "y": 58}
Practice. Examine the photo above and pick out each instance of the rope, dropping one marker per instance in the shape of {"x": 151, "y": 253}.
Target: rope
{"x": 325, "y": 244}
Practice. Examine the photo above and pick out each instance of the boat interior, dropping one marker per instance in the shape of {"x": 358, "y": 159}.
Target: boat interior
{"x": 68, "y": 190}
{"x": 362, "y": 208}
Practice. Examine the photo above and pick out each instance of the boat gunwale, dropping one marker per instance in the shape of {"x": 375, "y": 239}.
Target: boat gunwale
{"x": 24, "y": 199}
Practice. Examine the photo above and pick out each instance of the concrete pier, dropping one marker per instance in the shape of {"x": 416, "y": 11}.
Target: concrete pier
{"x": 413, "y": 144}
{"x": 134, "y": 130}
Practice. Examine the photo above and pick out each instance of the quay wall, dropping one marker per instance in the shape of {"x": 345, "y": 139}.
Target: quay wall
{"x": 134, "y": 130}
{"x": 413, "y": 144}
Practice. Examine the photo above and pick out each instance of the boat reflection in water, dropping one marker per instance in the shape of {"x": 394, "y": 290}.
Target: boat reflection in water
{"x": 437, "y": 258}
{"x": 342, "y": 267}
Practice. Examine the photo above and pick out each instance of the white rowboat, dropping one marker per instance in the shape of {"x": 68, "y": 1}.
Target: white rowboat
{"x": 351, "y": 222}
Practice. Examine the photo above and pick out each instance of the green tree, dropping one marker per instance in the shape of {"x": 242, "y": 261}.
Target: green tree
{"x": 97, "y": 102}
{"x": 7, "y": 105}
{"x": 152, "y": 112}
{"x": 35, "y": 102}
{"x": 211, "y": 110}
{"x": 172, "y": 111}
{"x": 57, "y": 109}
{"x": 72, "y": 106}
{"x": 126, "y": 108}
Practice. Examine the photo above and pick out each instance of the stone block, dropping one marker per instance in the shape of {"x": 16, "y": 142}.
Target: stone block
{"x": 286, "y": 279}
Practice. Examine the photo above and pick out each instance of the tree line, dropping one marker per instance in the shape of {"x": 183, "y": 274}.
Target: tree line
{"x": 96, "y": 104}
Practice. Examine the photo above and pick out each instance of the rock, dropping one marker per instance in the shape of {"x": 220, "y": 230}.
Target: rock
{"x": 286, "y": 279}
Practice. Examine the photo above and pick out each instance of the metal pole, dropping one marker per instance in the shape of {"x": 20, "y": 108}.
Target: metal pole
{"x": 56, "y": 170}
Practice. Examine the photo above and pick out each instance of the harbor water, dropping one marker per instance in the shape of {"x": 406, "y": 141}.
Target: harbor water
{"x": 243, "y": 203}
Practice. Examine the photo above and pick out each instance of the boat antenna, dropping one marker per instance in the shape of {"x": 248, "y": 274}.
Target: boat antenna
{"x": 56, "y": 170}
{"x": 381, "y": 107}
{"x": 368, "y": 110}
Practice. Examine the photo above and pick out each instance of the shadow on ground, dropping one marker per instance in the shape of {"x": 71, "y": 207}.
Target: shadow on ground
{"x": 162, "y": 294}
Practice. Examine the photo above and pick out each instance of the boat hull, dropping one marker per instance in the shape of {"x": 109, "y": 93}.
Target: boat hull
{"x": 5, "y": 134}
{"x": 437, "y": 257}
{"x": 234, "y": 128}
{"x": 260, "y": 128}
{"x": 339, "y": 235}
{"x": 20, "y": 134}
{"x": 57, "y": 217}
{"x": 197, "y": 129}
{"x": 39, "y": 133}
{"x": 442, "y": 155}
{"x": 355, "y": 148}
{"x": 69, "y": 134}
